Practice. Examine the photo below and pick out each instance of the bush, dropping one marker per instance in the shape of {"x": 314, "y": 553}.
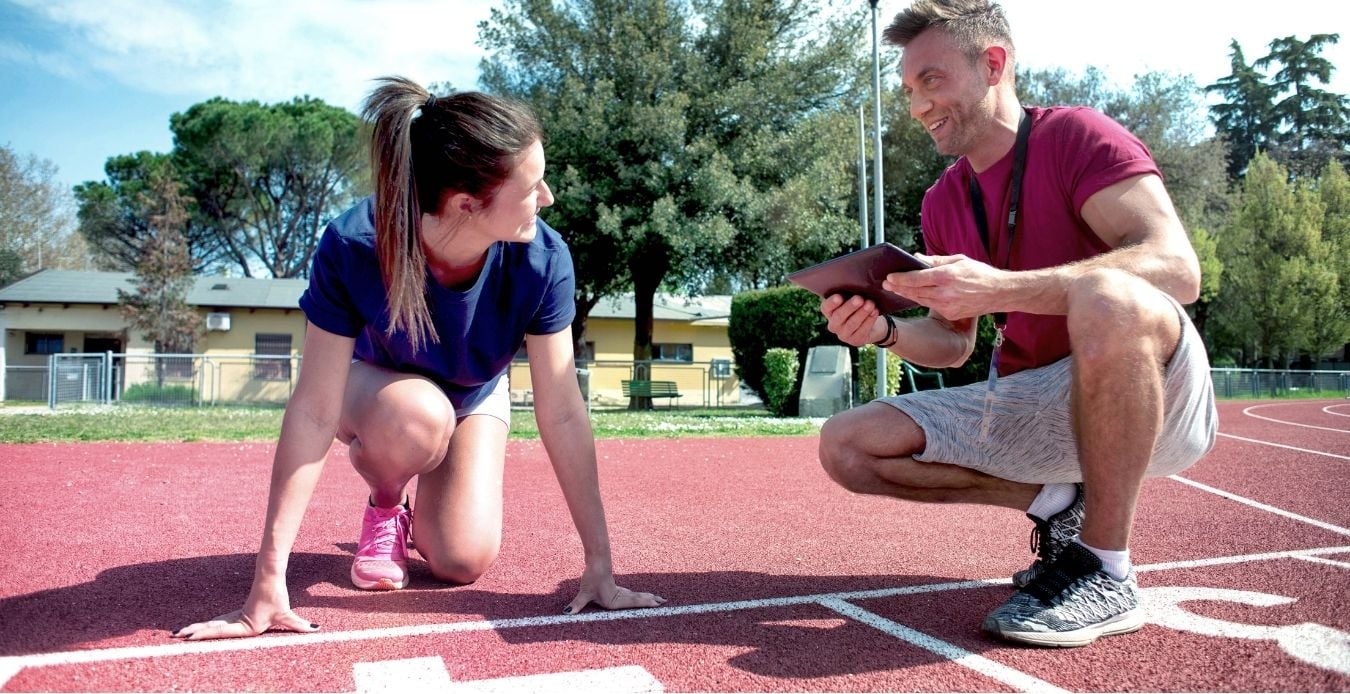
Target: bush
{"x": 780, "y": 380}
{"x": 159, "y": 395}
{"x": 780, "y": 317}
{"x": 867, "y": 373}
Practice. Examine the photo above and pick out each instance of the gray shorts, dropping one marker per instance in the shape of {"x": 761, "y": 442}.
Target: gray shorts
{"x": 1029, "y": 437}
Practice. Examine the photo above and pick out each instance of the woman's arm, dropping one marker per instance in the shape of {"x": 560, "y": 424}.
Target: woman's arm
{"x": 307, "y": 430}
{"x": 565, "y": 429}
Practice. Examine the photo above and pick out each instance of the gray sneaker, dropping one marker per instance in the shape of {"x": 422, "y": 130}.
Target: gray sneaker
{"x": 1071, "y": 603}
{"x": 1049, "y": 538}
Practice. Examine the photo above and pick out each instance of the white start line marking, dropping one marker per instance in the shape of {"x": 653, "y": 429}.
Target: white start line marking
{"x": 430, "y": 675}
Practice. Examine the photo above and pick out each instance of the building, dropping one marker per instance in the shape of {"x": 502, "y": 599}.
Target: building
{"x": 255, "y": 336}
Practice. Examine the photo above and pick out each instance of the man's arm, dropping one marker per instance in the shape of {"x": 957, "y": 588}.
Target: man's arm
{"x": 931, "y": 341}
{"x": 1134, "y": 217}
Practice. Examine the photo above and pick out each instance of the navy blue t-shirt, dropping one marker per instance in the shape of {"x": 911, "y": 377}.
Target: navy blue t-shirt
{"x": 522, "y": 288}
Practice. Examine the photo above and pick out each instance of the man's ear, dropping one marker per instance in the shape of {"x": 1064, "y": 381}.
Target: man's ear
{"x": 995, "y": 62}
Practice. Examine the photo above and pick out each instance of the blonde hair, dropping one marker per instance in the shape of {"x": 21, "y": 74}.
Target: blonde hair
{"x": 422, "y": 149}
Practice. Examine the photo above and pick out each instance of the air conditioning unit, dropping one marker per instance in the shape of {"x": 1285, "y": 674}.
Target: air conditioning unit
{"x": 219, "y": 322}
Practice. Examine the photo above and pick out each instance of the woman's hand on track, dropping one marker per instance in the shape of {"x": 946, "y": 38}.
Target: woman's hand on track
{"x": 597, "y": 586}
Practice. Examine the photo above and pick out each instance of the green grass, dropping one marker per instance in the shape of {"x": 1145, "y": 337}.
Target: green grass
{"x": 32, "y": 423}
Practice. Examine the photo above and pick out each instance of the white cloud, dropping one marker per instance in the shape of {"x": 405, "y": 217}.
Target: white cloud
{"x": 270, "y": 50}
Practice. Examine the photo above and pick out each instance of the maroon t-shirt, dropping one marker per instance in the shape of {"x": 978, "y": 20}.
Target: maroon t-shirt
{"x": 1073, "y": 152}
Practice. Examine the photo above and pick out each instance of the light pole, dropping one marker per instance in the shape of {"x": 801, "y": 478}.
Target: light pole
{"x": 879, "y": 236}
{"x": 862, "y": 175}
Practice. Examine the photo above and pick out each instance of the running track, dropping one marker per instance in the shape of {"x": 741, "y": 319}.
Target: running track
{"x": 777, "y": 580}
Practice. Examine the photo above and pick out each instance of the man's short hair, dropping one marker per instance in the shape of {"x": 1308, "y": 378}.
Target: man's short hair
{"x": 975, "y": 24}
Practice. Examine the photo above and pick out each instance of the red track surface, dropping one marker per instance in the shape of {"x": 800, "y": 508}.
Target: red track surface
{"x": 777, "y": 580}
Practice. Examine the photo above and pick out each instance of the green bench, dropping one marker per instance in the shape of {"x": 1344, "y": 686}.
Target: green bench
{"x": 651, "y": 389}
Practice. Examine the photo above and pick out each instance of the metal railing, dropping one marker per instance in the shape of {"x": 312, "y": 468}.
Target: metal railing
{"x": 1258, "y": 383}
{"x": 196, "y": 379}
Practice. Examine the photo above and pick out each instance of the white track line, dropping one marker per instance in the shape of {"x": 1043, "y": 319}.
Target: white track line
{"x": 1328, "y": 410}
{"x": 1248, "y": 412}
{"x": 1280, "y": 445}
{"x": 1016, "y": 679}
{"x": 10, "y": 665}
{"x": 1264, "y": 507}
{"x": 1329, "y": 562}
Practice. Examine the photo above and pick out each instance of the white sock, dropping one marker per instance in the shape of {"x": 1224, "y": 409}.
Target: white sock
{"x": 1116, "y": 564}
{"x": 1052, "y": 499}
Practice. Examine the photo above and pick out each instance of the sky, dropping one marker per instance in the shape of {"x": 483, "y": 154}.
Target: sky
{"x": 85, "y": 80}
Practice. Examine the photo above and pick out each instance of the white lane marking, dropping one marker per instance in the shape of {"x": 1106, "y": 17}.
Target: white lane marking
{"x": 631, "y": 679}
{"x": 398, "y": 676}
{"x": 1248, "y": 412}
{"x": 429, "y": 674}
{"x": 1280, "y": 445}
{"x": 1016, "y": 679}
{"x": 9, "y": 665}
{"x": 1329, "y": 410}
{"x": 1264, "y": 507}
{"x": 1316, "y": 644}
{"x": 1328, "y": 562}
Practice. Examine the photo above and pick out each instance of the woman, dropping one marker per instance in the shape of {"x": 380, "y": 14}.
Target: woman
{"x": 418, "y": 300}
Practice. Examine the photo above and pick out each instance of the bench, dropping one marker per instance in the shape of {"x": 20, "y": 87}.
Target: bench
{"x": 651, "y": 389}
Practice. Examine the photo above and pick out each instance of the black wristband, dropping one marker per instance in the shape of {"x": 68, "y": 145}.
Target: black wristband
{"x": 889, "y": 339}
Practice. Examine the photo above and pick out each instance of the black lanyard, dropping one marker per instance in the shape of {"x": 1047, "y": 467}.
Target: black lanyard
{"x": 977, "y": 202}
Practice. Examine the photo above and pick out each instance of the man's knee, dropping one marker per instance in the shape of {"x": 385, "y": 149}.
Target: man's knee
{"x": 1113, "y": 313}
{"x": 848, "y": 444}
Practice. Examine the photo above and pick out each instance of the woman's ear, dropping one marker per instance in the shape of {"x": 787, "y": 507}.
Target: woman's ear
{"x": 463, "y": 203}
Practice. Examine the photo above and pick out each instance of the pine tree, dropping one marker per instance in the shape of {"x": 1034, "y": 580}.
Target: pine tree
{"x": 158, "y": 307}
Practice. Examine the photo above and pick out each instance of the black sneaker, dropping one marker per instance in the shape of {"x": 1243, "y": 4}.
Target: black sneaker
{"x": 1050, "y": 537}
{"x": 1073, "y": 602}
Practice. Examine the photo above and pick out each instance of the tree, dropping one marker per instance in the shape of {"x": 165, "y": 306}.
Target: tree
{"x": 35, "y": 218}
{"x": 1318, "y": 121}
{"x": 158, "y": 308}
{"x": 1332, "y": 331}
{"x": 1280, "y": 286}
{"x": 696, "y": 142}
{"x": 1246, "y": 119}
{"x": 114, "y": 214}
{"x": 267, "y": 178}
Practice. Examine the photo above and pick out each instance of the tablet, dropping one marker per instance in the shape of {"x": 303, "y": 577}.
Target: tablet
{"x": 861, "y": 273}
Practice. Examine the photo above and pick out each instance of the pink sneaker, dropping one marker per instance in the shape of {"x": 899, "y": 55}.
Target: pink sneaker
{"x": 381, "y": 561}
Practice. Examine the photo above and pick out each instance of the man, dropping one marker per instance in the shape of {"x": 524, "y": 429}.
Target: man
{"x": 1099, "y": 379}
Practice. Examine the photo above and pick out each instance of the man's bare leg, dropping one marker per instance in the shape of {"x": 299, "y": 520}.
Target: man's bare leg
{"x": 869, "y": 450}
{"x": 1123, "y": 332}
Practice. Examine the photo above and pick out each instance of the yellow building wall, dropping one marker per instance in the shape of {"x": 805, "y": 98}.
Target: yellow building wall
{"x": 613, "y": 339}
{"x": 226, "y": 373}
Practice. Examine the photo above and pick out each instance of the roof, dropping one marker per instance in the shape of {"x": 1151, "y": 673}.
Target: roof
{"x": 81, "y": 287}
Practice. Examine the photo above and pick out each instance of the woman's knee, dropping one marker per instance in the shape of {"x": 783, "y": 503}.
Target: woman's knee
{"x": 416, "y": 431}
{"x": 462, "y": 565}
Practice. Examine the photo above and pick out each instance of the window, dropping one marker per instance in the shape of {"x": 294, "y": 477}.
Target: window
{"x": 670, "y": 351}
{"x": 272, "y": 344}
{"x": 43, "y": 343}
{"x": 177, "y": 368}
